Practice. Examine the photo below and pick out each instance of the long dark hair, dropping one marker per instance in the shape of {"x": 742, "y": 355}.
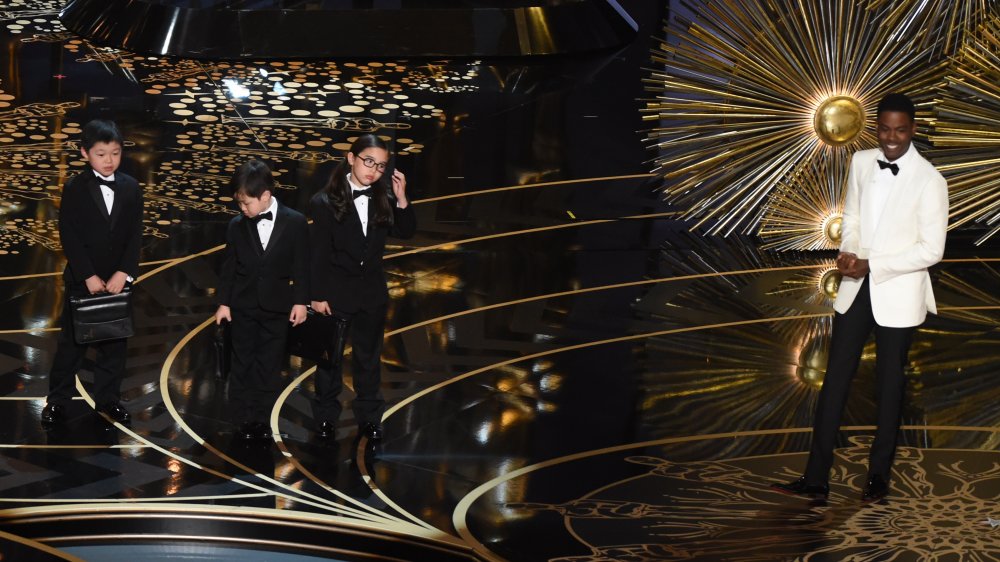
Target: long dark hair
{"x": 338, "y": 191}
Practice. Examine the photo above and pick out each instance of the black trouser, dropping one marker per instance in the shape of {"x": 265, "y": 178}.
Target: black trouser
{"x": 259, "y": 339}
{"x": 109, "y": 368}
{"x": 850, "y": 332}
{"x": 365, "y": 330}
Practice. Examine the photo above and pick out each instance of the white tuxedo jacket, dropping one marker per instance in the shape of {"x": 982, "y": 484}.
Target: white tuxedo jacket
{"x": 909, "y": 238}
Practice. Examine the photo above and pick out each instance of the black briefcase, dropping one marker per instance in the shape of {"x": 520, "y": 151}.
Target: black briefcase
{"x": 222, "y": 341}
{"x": 102, "y": 317}
{"x": 320, "y": 338}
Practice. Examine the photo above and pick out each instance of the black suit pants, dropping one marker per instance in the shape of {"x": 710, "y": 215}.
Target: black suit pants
{"x": 109, "y": 367}
{"x": 850, "y": 332}
{"x": 365, "y": 331}
{"x": 259, "y": 339}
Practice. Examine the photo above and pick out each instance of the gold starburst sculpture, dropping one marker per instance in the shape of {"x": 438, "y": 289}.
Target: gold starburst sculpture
{"x": 756, "y": 95}
{"x": 804, "y": 211}
{"x": 966, "y": 133}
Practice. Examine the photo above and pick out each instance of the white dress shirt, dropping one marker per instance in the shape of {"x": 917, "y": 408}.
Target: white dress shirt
{"x": 266, "y": 227}
{"x": 360, "y": 203}
{"x": 109, "y": 195}
{"x": 109, "y": 200}
{"x": 873, "y": 202}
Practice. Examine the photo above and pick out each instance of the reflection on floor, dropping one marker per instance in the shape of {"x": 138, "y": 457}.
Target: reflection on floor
{"x": 571, "y": 374}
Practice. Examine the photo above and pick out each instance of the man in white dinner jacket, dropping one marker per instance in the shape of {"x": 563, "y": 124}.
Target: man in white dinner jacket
{"x": 894, "y": 224}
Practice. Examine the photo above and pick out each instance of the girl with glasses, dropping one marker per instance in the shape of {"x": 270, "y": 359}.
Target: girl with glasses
{"x": 352, "y": 217}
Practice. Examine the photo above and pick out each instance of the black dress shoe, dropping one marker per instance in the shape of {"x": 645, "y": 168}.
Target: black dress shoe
{"x": 800, "y": 488}
{"x": 246, "y": 431}
{"x": 326, "y": 429}
{"x": 876, "y": 489}
{"x": 115, "y": 411}
{"x": 53, "y": 414}
{"x": 373, "y": 431}
{"x": 261, "y": 431}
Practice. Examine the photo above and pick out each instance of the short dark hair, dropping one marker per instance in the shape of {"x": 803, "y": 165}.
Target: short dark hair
{"x": 253, "y": 177}
{"x": 897, "y": 102}
{"x": 100, "y": 130}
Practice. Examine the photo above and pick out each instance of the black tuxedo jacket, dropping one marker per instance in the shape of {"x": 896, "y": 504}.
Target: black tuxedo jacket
{"x": 347, "y": 265}
{"x": 95, "y": 242}
{"x": 273, "y": 280}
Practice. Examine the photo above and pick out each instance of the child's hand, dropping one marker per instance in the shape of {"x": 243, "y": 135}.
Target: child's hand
{"x": 95, "y": 285}
{"x": 399, "y": 189}
{"x": 116, "y": 283}
{"x": 322, "y": 307}
{"x": 222, "y": 314}
{"x": 298, "y": 315}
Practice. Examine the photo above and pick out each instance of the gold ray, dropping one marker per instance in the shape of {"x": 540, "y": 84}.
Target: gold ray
{"x": 739, "y": 83}
{"x": 965, "y": 134}
{"x": 803, "y": 212}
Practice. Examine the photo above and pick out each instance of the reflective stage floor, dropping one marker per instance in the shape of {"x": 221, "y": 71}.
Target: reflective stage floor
{"x": 571, "y": 374}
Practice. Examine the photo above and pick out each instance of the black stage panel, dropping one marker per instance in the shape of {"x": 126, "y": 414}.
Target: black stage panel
{"x": 276, "y": 29}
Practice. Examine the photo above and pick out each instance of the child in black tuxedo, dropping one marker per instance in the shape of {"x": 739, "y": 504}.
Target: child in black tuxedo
{"x": 100, "y": 225}
{"x": 352, "y": 217}
{"x": 264, "y": 285}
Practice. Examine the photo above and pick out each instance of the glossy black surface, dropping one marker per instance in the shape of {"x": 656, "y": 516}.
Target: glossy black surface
{"x": 276, "y": 29}
{"x": 572, "y": 374}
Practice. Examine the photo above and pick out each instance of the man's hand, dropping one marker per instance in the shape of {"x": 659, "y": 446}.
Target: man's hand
{"x": 116, "y": 283}
{"x": 298, "y": 315}
{"x": 223, "y": 313}
{"x": 850, "y": 265}
{"x": 322, "y": 307}
{"x": 845, "y": 261}
{"x": 859, "y": 270}
{"x": 95, "y": 285}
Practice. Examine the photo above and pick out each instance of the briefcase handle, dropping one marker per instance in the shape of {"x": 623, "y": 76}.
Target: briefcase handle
{"x": 97, "y": 297}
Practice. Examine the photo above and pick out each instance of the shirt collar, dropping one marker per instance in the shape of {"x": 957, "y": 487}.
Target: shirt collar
{"x": 100, "y": 177}
{"x": 273, "y": 207}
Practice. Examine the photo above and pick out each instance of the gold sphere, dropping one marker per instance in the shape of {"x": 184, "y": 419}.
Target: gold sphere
{"x": 829, "y": 283}
{"x": 839, "y": 120}
{"x": 832, "y": 226}
{"x": 811, "y": 365}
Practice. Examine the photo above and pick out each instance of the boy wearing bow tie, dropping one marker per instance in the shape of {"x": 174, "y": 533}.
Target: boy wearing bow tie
{"x": 263, "y": 287}
{"x": 100, "y": 225}
{"x": 894, "y": 224}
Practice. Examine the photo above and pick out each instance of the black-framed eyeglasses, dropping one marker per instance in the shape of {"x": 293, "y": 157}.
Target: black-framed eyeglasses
{"x": 370, "y": 163}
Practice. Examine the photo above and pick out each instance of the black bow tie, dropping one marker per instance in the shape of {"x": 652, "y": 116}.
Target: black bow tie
{"x": 892, "y": 167}
{"x": 359, "y": 192}
{"x": 263, "y": 216}
{"x": 109, "y": 183}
